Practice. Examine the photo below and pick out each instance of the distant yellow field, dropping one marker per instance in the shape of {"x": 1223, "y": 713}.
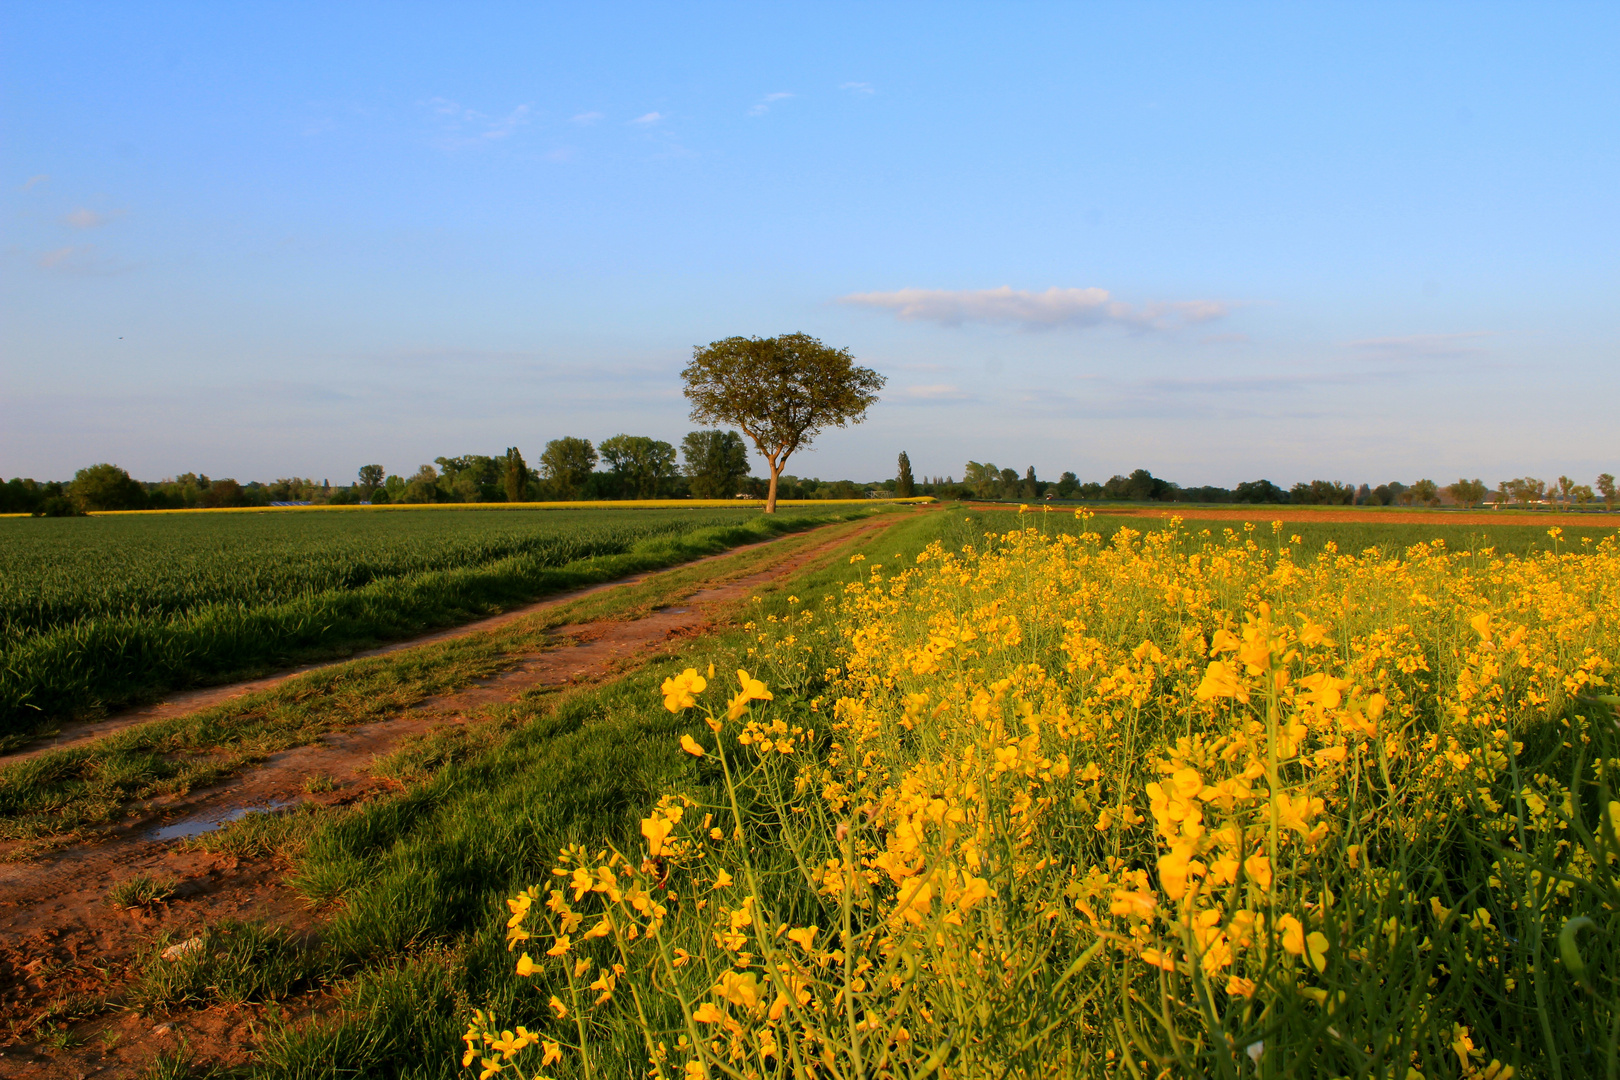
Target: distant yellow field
{"x": 613, "y": 504}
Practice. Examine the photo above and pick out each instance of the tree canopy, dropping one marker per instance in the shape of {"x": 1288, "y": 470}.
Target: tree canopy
{"x": 641, "y": 463}
{"x": 567, "y": 462}
{"x": 716, "y": 462}
{"x": 371, "y": 478}
{"x": 1468, "y": 492}
{"x": 106, "y": 487}
{"x": 780, "y": 391}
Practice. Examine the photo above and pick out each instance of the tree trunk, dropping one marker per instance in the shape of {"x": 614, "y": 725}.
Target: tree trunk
{"x": 770, "y": 500}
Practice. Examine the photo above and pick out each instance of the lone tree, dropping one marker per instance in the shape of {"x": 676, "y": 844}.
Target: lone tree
{"x": 780, "y": 391}
{"x": 1605, "y": 486}
{"x": 904, "y": 485}
{"x": 515, "y": 478}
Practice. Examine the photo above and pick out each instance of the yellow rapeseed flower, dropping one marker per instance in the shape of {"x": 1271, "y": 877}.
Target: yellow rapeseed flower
{"x": 679, "y": 692}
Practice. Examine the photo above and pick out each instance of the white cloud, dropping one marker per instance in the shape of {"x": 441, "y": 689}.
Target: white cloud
{"x": 80, "y": 259}
{"x": 1423, "y": 344}
{"x": 649, "y": 118}
{"x": 764, "y": 104}
{"x": 500, "y": 129}
{"x": 585, "y": 118}
{"x": 936, "y": 392}
{"x": 1037, "y": 311}
{"x": 54, "y": 260}
{"x": 34, "y": 181}
{"x": 86, "y": 218}
{"x": 857, "y": 87}
{"x": 466, "y": 127}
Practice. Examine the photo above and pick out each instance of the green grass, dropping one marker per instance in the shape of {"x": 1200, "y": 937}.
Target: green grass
{"x": 99, "y": 612}
{"x": 64, "y": 569}
{"x": 176, "y": 1065}
{"x": 393, "y": 1015}
{"x": 140, "y": 891}
{"x": 233, "y": 963}
{"x": 267, "y": 834}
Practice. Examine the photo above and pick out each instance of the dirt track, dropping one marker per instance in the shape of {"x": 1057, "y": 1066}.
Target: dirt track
{"x": 60, "y": 939}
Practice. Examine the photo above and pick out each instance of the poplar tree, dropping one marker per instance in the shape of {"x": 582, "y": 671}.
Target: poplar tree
{"x": 516, "y": 479}
{"x": 904, "y": 486}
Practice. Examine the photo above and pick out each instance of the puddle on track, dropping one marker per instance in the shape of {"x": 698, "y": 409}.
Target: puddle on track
{"x": 196, "y": 826}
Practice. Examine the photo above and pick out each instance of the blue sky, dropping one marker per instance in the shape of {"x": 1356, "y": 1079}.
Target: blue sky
{"x": 1360, "y": 242}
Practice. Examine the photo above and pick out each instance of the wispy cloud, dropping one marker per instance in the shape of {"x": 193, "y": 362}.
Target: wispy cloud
{"x": 857, "y": 87}
{"x": 327, "y": 117}
{"x": 531, "y": 361}
{"x": 649, "y": 118}
{"x": 1035, "y": 310}
{"x": 503, "y": 127}
{"x": 1276, "y": 393}
{"x": 466, "y": 127}
{"x": 80, "y": 259}
{"x": 764, "y": 104}
{"x": 1424, "y": 345}
{"x": 54, "y": 260}
{"x": 936, "y": 392}
{"x": 1242, "y": 384}
{"x": 85, "y": 218}
{"x": 585, "y": 118}
{"x": 34, "y": 181}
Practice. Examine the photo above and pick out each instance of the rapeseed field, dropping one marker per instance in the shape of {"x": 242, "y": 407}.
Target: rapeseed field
{"x": 1167, "y": 804}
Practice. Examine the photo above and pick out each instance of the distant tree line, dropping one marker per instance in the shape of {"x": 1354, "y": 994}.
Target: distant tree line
{"x": 708, "y": 465}
{"x": 714, "y": 465}
{"x": 984, "y": 480}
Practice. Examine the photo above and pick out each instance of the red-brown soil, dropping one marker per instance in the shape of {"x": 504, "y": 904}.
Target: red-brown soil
{"x": 60, "y": 939}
